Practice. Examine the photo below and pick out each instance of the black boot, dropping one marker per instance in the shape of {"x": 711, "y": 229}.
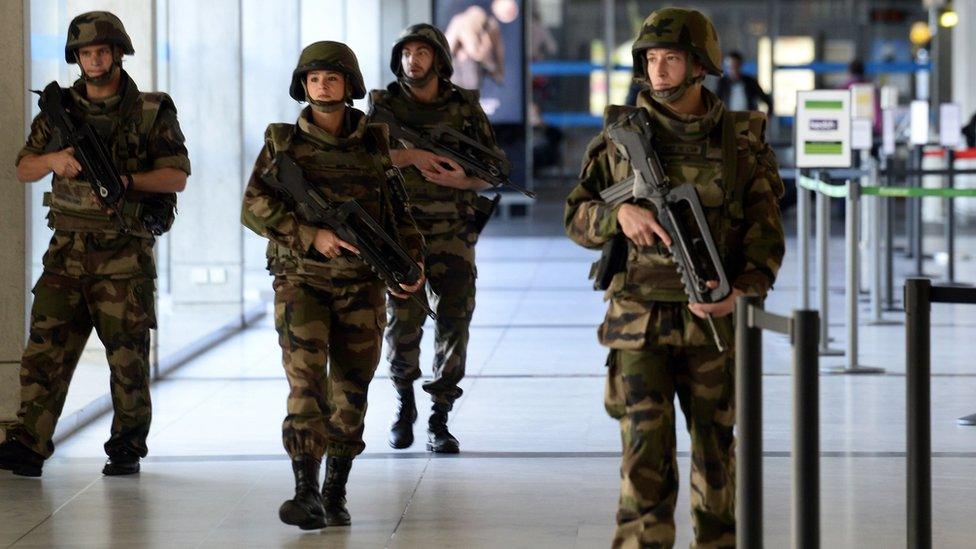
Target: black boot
{"x": 439, "y": 439}
{"x": 305, "y": 509}
{"x": 20, "y": 460}
{"x": 122, "y": 463}
{"x": 401, "y": 432}
{"x": 334, "y": 490}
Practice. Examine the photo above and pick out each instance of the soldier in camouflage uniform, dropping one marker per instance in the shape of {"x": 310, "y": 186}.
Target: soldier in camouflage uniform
{"x": 329, "y": 305}
{"x": 95, "y": 275}
{"x": 444, "y": 201}
{"x": 660, "y": 344}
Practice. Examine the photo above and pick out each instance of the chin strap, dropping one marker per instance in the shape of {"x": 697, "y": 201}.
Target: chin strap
{"x": 324, "y": 106}
{"x": 671, "y": 95}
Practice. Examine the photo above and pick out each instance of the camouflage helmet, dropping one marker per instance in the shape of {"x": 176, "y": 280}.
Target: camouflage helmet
{"x": 430, "y": 34}
{"x": 96, "y": 27}
{"x": 682, "y": 29}
{"x": 327, "y": 56}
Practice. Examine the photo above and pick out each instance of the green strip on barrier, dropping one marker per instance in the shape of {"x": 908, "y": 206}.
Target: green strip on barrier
{"x": 840, "y": 191}
{"x": 833, "y": 191}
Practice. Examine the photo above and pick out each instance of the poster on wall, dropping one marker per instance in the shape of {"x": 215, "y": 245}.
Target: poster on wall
{"x": 487, "y": 40}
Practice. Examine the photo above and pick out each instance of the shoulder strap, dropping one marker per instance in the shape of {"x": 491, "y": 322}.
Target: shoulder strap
{"x": 619, "y": 168}
{"x": 279, "y": 136}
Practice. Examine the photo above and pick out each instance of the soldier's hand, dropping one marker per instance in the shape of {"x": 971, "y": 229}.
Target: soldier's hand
{"x": 409, "y": 289}
{"x": 64, "y": 163}
{"x": 330, "y": 245}
{"x": 640, "y": 226}
{"x": 447, "y": 173}
{"x": 424, "y": 160}
{"x": 717, "y": 309}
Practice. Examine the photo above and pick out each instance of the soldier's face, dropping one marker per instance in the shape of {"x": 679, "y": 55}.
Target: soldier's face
{"x": 95, "y": 60}
{"x": 416, "y": 59}
{"x": 326, "y": 85}
{"x": 666, "y": 68}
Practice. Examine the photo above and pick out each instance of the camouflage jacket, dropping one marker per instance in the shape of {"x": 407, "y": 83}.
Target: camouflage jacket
{"x": 351, "y": 167}
{"x": 459, "y": 109}
{"x": 739, "y": 188}
{"x": 142, "y": 133}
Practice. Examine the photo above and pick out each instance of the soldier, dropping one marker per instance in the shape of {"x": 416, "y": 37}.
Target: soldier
{"x": 96, "y": 274}
{"x": 329, "y": 306}
{"x": 443, "y": 200}
{"x": 660, "y": 344}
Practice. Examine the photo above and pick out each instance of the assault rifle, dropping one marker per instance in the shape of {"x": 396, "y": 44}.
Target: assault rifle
{"x": 96, "y": 161}
{"x": 351, "y": 222}
{"x": 678, "y": 210}
{"x": 476, "y": 159}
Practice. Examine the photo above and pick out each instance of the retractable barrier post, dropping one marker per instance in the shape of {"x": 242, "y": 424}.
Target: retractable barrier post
{"x": 918, "y": 228}
{"x": 919, "y": 296}
{"x": 806, "y": 431}
{"x": 823, "y": 249}
{"x": 889, "y": 232}
{"x": 748, "y": 409}
{"x": 804, "y": 330}
{"x": 853, "y": 263}
{"x": 919, "y": 442}
{"x": 876, "y": 221}
{"x": 803, "y": 239}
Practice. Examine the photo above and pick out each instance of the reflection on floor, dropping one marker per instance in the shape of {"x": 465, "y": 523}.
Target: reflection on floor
{"x": 539, "y": 467}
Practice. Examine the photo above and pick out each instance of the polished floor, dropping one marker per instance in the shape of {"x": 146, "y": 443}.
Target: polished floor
{"x": 539, "y": 461}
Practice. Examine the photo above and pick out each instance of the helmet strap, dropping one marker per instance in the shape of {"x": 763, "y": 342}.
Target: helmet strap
{"x": 109, "y": 74}
{"x": 324, "y": 106}
{"x": 673, "y": 94}
{"x": 422, "y": 81}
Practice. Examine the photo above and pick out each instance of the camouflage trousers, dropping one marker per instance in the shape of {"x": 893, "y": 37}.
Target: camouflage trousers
{"x": 64, "y": 312}
{"x": 640, "y": 390}
{"x": 330, "y": 332}
{"x": 451, "y": 274}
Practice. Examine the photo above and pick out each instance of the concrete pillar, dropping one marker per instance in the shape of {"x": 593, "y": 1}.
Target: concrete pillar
{"x": 270, "y": 57}
{"x": 205, "y": 75}
{"x": 14, "y": 208}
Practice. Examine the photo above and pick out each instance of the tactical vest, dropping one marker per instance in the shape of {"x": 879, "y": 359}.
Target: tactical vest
{"x": 721, "y": 167}
{"x": 73, "y": 204}
{"x": 356, "y": 170}
{"x": 460, "y": 111}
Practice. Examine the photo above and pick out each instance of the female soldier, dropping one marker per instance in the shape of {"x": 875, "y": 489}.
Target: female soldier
{"x": 329, "y": 306}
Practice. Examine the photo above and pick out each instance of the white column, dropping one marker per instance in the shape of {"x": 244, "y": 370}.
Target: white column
{"x": 205, "y": 73}
{"x": 964, "y": 58}
{"x": 14, "y": 208}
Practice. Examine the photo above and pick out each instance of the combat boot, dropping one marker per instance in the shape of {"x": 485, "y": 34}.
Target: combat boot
{"x": 334, "y": 490}
{"x": 121, "y": 463}
{"x": 439, "y": 439}
{"x": 401, "y": 432}
{"x": 305, "y": 509}
{"x": 20, "y": 460}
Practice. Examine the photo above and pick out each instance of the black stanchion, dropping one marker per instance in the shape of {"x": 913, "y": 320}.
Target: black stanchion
{"x": 806, "y": 430}
{"x": 748, "y": 402}
{"x": 950, "y": 219}
{"x": 804, "y": 329}
{"x": 919, "y": 442}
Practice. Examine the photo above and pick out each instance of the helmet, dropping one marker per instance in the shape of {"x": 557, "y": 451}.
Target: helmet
{"x": 424, "y": 33}
{"x": 681, "y": 29}
{"x": 96, "y": 27}
{"x": 327, "y": 55}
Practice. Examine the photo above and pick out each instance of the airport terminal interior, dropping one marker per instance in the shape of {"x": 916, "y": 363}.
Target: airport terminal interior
{"x": 889, "y": 198}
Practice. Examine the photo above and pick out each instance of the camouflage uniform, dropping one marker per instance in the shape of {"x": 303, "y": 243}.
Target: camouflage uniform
{"x": 94, "y": 276}
{"x": 327, "y": 311}
{"x": 658, "y": 347}
{"x": 446, "y": 218}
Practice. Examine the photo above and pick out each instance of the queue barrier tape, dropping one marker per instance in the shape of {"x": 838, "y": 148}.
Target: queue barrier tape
{"x": 840, "y": 191}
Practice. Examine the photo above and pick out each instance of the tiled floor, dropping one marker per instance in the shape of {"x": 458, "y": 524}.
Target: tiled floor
{"x": 539, "y": 467}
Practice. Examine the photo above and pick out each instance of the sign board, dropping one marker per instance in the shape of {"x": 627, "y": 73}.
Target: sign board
{"x": 950, "y": 124}
{"x": 862, "y": 130}
{"x": 823, "y": 129}
{"x": 889, "y": 97}
{"x": 862, "y": 101}
{"x": 920, "y": 122}
{"x": 888, "y": 142}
